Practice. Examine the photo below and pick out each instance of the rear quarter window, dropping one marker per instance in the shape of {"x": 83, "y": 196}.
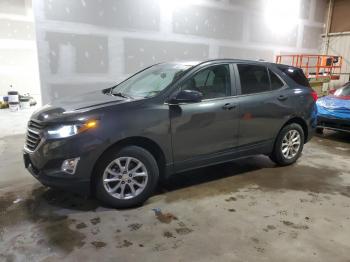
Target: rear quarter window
{"x": 296, "y": 74}
{"x": 276, "y": 82}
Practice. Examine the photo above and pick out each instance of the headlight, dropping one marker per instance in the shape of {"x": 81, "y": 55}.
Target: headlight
{"x": 71, "y": 130}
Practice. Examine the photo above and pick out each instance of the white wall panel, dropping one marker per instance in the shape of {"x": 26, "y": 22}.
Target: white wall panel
{"x": 137, "y": 33}
{"x": 18, "y": 52}
{"x": 340, "y": 45}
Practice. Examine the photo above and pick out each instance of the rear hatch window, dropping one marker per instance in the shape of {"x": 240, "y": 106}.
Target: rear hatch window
{"x": 296, "y": 74}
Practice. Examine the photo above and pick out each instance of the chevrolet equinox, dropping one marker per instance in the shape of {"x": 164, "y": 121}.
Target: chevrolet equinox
{"x": 117, "y": 143}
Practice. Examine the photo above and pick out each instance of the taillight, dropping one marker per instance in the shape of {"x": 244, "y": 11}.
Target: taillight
{"x": 314, "y": 95}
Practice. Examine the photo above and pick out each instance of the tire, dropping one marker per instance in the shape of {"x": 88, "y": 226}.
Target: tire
{"x": 277, "y": 155}
{"x": 126, "y": 179}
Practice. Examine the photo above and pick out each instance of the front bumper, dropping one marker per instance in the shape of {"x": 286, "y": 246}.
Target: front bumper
{"x": 45, "y": 162}
{"x": 56, "y": 179}
{"x": 333, "y": 123}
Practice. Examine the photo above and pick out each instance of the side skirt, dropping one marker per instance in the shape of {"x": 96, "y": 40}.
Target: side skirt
{"x": 264, "y": 148}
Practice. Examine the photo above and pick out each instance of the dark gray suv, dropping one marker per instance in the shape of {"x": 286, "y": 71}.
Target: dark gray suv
{"x": 118, "y": 142}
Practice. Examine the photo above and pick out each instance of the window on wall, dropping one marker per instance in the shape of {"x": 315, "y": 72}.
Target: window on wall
{"x": 212, "y": 82}
{"x": 276, "y": 82}
{"x": 254, "y": 78}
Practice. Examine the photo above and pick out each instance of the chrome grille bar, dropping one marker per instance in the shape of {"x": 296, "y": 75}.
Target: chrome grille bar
{"x": 33, "y": 137}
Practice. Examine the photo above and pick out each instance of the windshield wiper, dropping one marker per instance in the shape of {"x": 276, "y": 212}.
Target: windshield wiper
{"x": 121, "y": 95}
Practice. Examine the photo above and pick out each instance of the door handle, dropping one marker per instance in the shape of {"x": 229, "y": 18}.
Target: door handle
{"x": 228, "y": 106}
{"x": 282, "y": 97}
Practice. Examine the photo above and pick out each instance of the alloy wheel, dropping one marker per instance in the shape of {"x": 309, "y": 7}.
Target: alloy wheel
{"x": 125, "y": 178}
{"x": 291, "y": 144}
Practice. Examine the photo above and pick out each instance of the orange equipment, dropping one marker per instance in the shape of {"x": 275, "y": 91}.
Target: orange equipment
{"x": 315, "y": 67}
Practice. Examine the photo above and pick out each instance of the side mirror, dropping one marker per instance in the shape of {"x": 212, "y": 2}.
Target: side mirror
{"x": 186, "y": 96}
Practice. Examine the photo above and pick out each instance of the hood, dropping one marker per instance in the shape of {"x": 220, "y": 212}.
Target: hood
{"x": 86, "y": 100}
{"x": 334, "y": 106}
{"x": 68, "y": 106}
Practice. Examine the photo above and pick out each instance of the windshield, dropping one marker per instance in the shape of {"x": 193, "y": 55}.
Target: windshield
{"x": 150, "y": 81}
{"x": 343, "y": 91}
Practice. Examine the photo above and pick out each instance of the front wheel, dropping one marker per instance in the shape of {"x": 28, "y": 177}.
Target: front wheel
{"x": 126, "y": 177}
{"x": 289, "y": 145}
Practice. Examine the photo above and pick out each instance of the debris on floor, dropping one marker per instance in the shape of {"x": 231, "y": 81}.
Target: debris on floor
{"x": 164, "y": 218}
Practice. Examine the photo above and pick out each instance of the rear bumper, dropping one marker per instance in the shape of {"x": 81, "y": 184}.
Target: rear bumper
{"x": 311, "y": 133}
{"x": 333, "y": 123}
{"x": 311, "y": 125}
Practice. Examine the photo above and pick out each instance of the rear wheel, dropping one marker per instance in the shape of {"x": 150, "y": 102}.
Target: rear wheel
{"x": 289, "y": 145}
{"x": 126, "y": 177}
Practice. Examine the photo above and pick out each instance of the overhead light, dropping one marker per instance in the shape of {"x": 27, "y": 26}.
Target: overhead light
{"x": 170, "y": 5}
{"x": 281, "y": 16}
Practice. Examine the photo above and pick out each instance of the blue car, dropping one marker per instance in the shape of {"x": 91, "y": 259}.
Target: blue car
{"x": 334, "y": 110}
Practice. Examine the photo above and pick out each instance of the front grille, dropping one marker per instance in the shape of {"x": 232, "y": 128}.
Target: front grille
{"x": 33, "y": 136}
{"x": 35, "y": 125}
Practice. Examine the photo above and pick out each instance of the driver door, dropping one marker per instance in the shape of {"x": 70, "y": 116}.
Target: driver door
{"x": 201, "y": 130}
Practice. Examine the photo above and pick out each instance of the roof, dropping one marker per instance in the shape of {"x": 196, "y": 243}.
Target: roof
{"x": 232, "y": 60}
{"x": 197, "y": 62}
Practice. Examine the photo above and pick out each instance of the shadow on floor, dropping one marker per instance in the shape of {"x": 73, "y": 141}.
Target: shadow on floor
{"x": 47, "y": 204}
{"x": 216, "y": 172}
{"x": 343, "y": 137}
{"x": 49, "y": 209}
{"x": 67, "y": 200}
{"x": 258, "y": 171}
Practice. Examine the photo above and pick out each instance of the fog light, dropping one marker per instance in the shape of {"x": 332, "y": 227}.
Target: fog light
{"x": 69, "y": 165}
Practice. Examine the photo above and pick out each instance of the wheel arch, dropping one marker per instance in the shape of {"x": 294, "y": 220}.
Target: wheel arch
{"x": 143, "y": 142}
{"x": 275, "y": 155}
{"x": 301, "y": 122}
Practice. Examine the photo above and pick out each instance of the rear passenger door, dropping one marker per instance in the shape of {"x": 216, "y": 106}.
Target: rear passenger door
{"x": 261, "y": 104}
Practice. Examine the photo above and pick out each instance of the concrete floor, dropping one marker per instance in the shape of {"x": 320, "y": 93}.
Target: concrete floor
{"x": 246, "y": 210}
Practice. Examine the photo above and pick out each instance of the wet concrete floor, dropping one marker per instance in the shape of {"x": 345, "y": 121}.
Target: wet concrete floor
{"x": 246, "y": 210}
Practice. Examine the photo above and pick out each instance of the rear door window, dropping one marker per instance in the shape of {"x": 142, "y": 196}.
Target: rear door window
{"x": 276, "y": 82}
{"x": 254, "y": 78}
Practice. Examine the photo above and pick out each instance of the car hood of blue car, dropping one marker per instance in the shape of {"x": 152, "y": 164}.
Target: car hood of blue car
{"x": 334, "y": 107}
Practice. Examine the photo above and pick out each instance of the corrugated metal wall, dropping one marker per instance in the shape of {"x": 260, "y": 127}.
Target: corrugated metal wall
{"x": 340, "y": 45}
